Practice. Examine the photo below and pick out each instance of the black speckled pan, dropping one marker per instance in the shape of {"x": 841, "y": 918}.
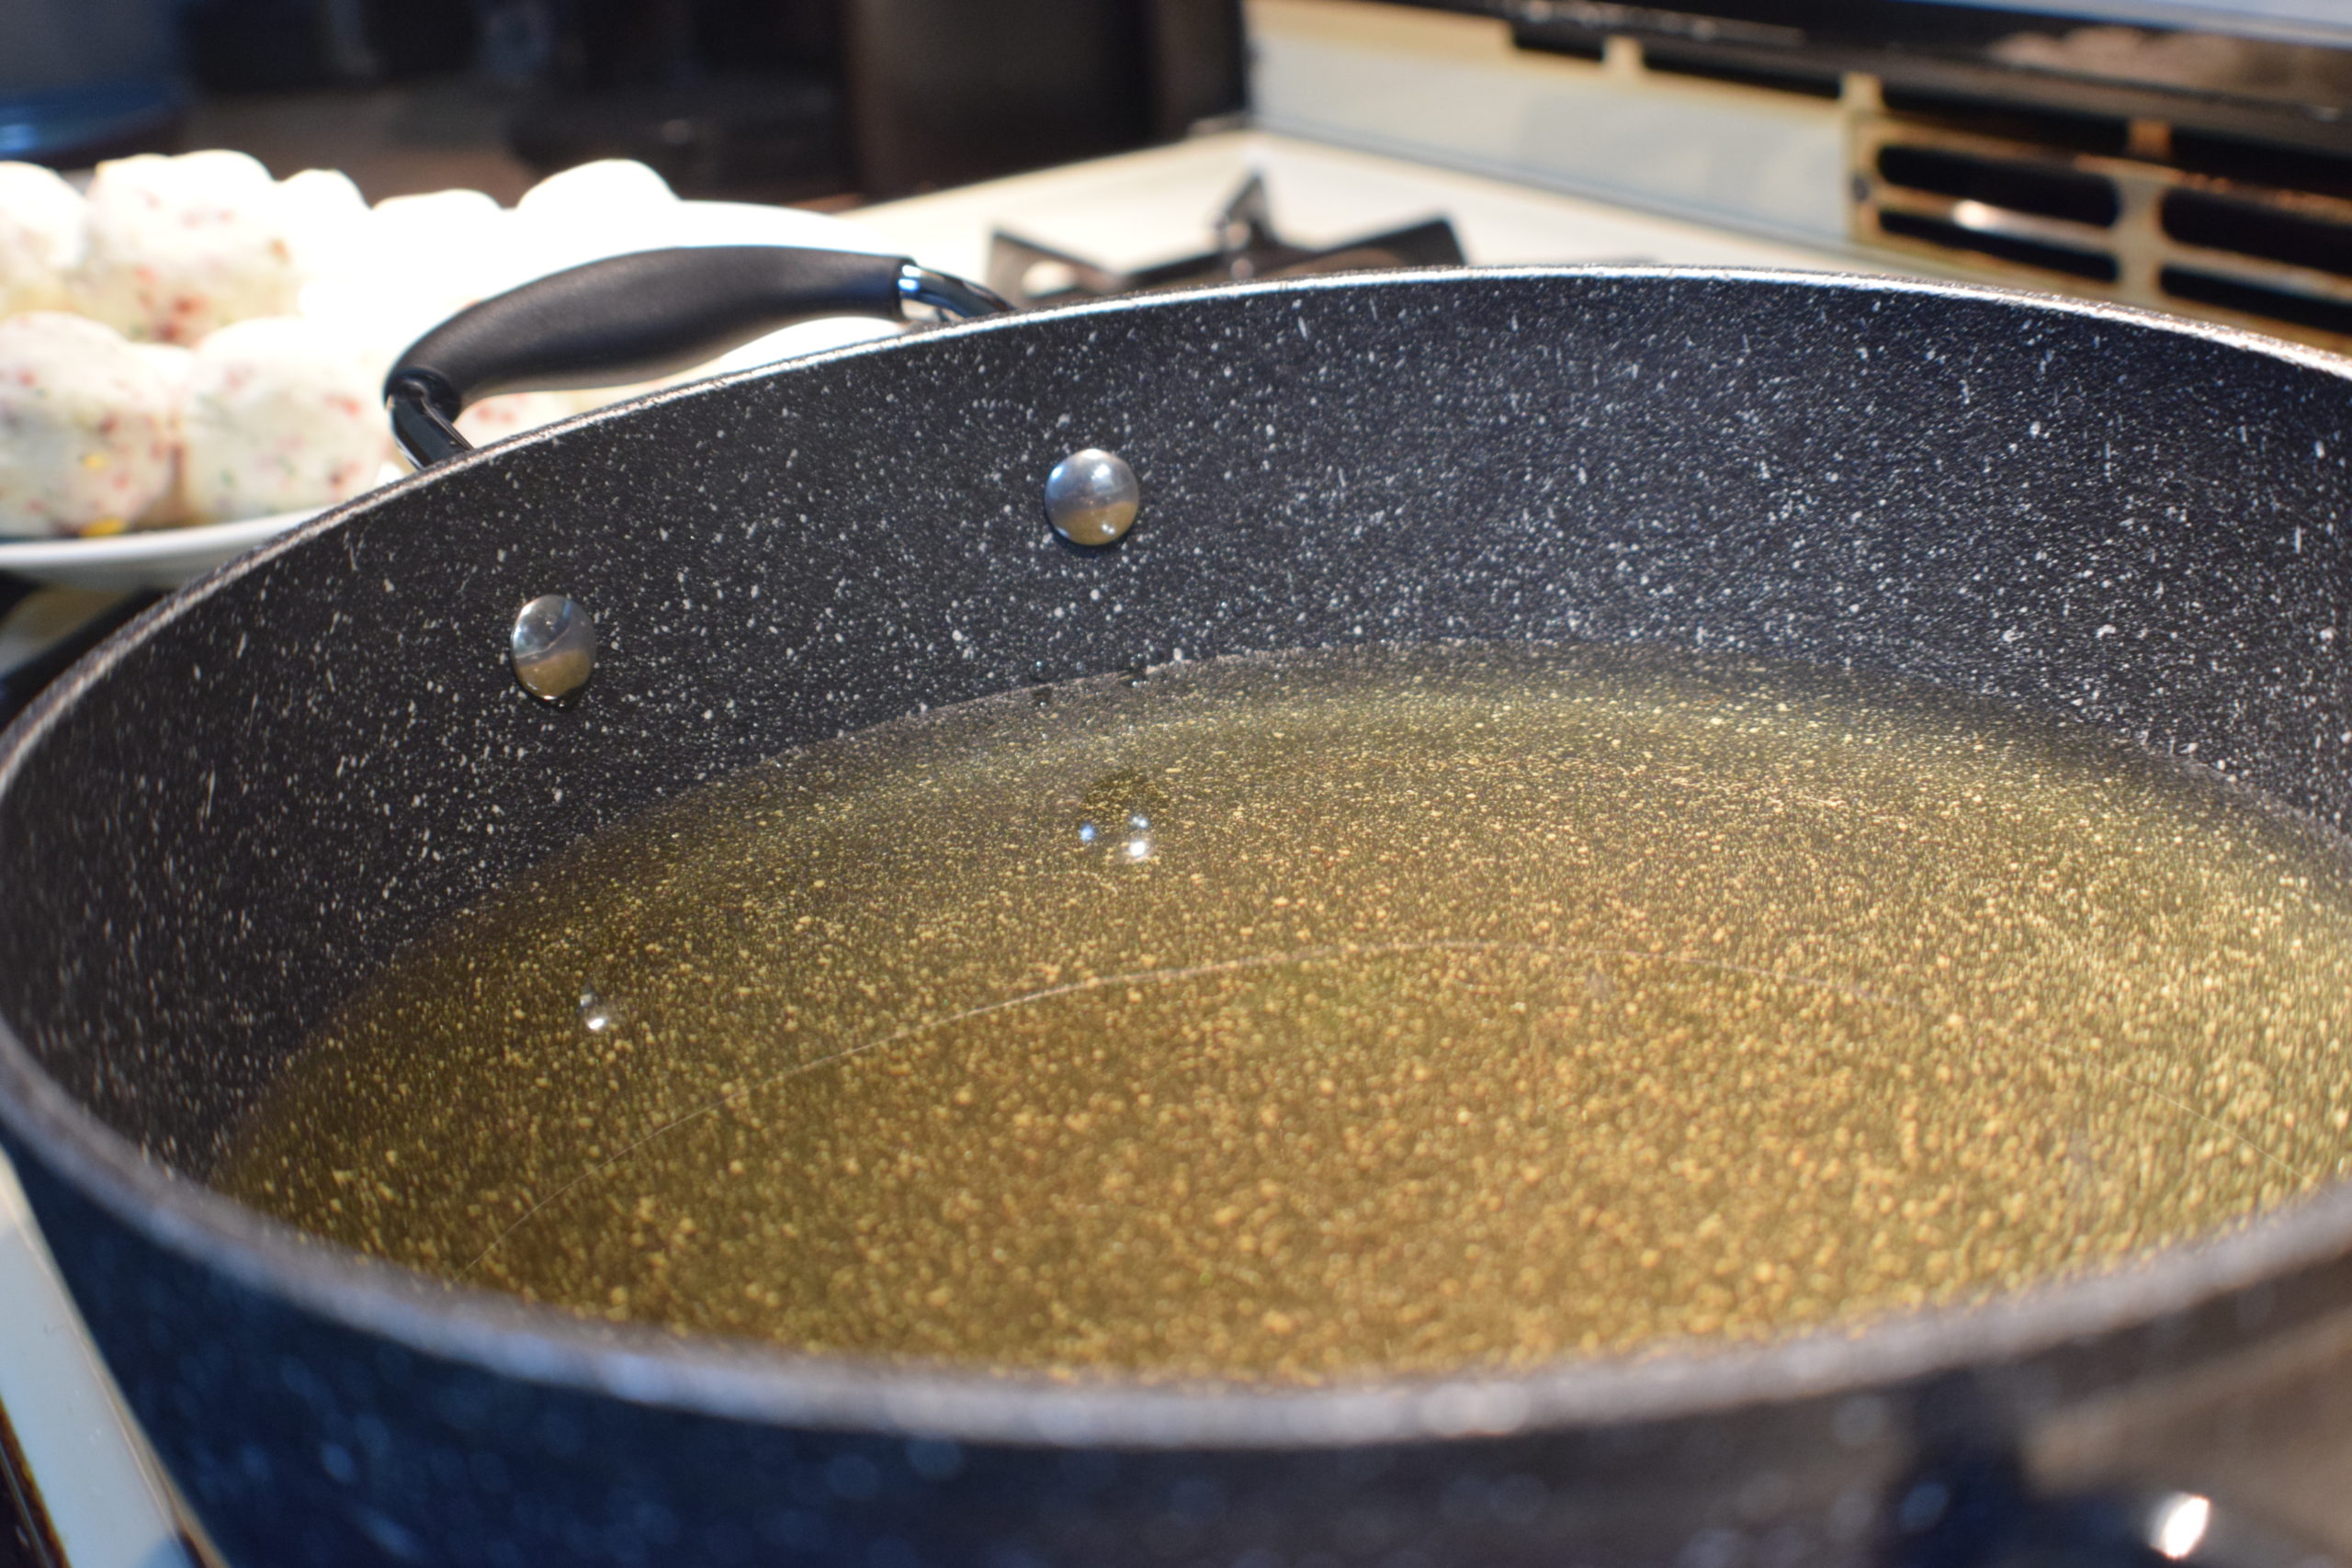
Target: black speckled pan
{"x": 218, "y": 826}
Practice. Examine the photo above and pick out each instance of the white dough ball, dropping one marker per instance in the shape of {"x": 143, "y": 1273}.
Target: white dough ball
{"x": 86, "y": 431}
{"x": 603, "y": 192}
{"x": 606, "y": 209}
{"x": 179, "y": 247}
{"x": 511, "y": 414}
{"x": 427, "y": 257}
{"x": 40, "y": 238}
{"x": 792, "y": 342}
{"x": 325, "y": 219}
{"x": 443, "y": 229}
{"x": 177, "y": 367}
{"x": 282, "y": 414}
{"x": 175, "y": 363}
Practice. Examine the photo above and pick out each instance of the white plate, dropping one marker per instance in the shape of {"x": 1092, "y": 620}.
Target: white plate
{"x": 160, "y": 557}
{"x": 165, "y": 557}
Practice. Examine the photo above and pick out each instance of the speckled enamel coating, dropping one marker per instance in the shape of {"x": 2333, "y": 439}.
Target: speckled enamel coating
{"x": 214, "y": 833}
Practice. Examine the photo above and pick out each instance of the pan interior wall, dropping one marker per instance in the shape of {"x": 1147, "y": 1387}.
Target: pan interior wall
{"x": 303, "y": 770}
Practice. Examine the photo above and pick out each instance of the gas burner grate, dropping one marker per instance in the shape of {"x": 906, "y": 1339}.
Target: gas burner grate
{"x": 1031, "y": 274}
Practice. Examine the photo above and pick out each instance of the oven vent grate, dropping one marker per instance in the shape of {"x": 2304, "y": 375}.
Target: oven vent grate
{"x": 2132, "y": 210}
{"x": 1667, "y": 61}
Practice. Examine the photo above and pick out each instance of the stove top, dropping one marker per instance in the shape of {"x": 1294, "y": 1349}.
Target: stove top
{"x": 1246, "y": 247}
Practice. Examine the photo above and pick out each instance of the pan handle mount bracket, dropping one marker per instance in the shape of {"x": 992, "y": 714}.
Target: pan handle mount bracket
{"x": 939, "y": 297}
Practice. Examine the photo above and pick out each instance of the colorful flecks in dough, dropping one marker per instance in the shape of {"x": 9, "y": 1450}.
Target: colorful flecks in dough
{"x": 281, "y": 413}
{"x": 176, "y": 248}
{"x": 171, "y": 251}
{"x": 87, "y": 427}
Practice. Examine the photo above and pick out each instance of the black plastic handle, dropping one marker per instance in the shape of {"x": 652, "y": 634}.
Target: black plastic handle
{"x": 632, "y": 318}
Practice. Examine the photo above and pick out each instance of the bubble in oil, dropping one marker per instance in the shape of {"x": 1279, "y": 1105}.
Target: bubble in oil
{"x": 598, "y": 1014}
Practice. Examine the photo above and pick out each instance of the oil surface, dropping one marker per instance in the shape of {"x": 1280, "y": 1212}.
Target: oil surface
{"x": 1314, "y": 1015}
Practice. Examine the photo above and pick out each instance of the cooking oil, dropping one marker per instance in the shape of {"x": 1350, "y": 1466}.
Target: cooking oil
{"x": 1319, "y": 1015}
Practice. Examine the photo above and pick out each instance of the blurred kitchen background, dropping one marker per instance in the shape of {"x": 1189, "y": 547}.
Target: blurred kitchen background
{"x": 825, "y": 101}
{"x": 2190, "y": 155}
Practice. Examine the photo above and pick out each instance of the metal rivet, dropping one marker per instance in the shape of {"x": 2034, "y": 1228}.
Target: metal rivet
{"x": 1092, "y": 496}
{"x": 553, "y": 646}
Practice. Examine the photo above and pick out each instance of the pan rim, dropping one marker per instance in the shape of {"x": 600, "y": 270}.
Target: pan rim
{"x": 745, "y": 1381}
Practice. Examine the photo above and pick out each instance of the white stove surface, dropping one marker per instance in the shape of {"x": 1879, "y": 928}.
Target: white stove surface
{"x": 97, "y": 1484}
{"x": 103, "y": 1501}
